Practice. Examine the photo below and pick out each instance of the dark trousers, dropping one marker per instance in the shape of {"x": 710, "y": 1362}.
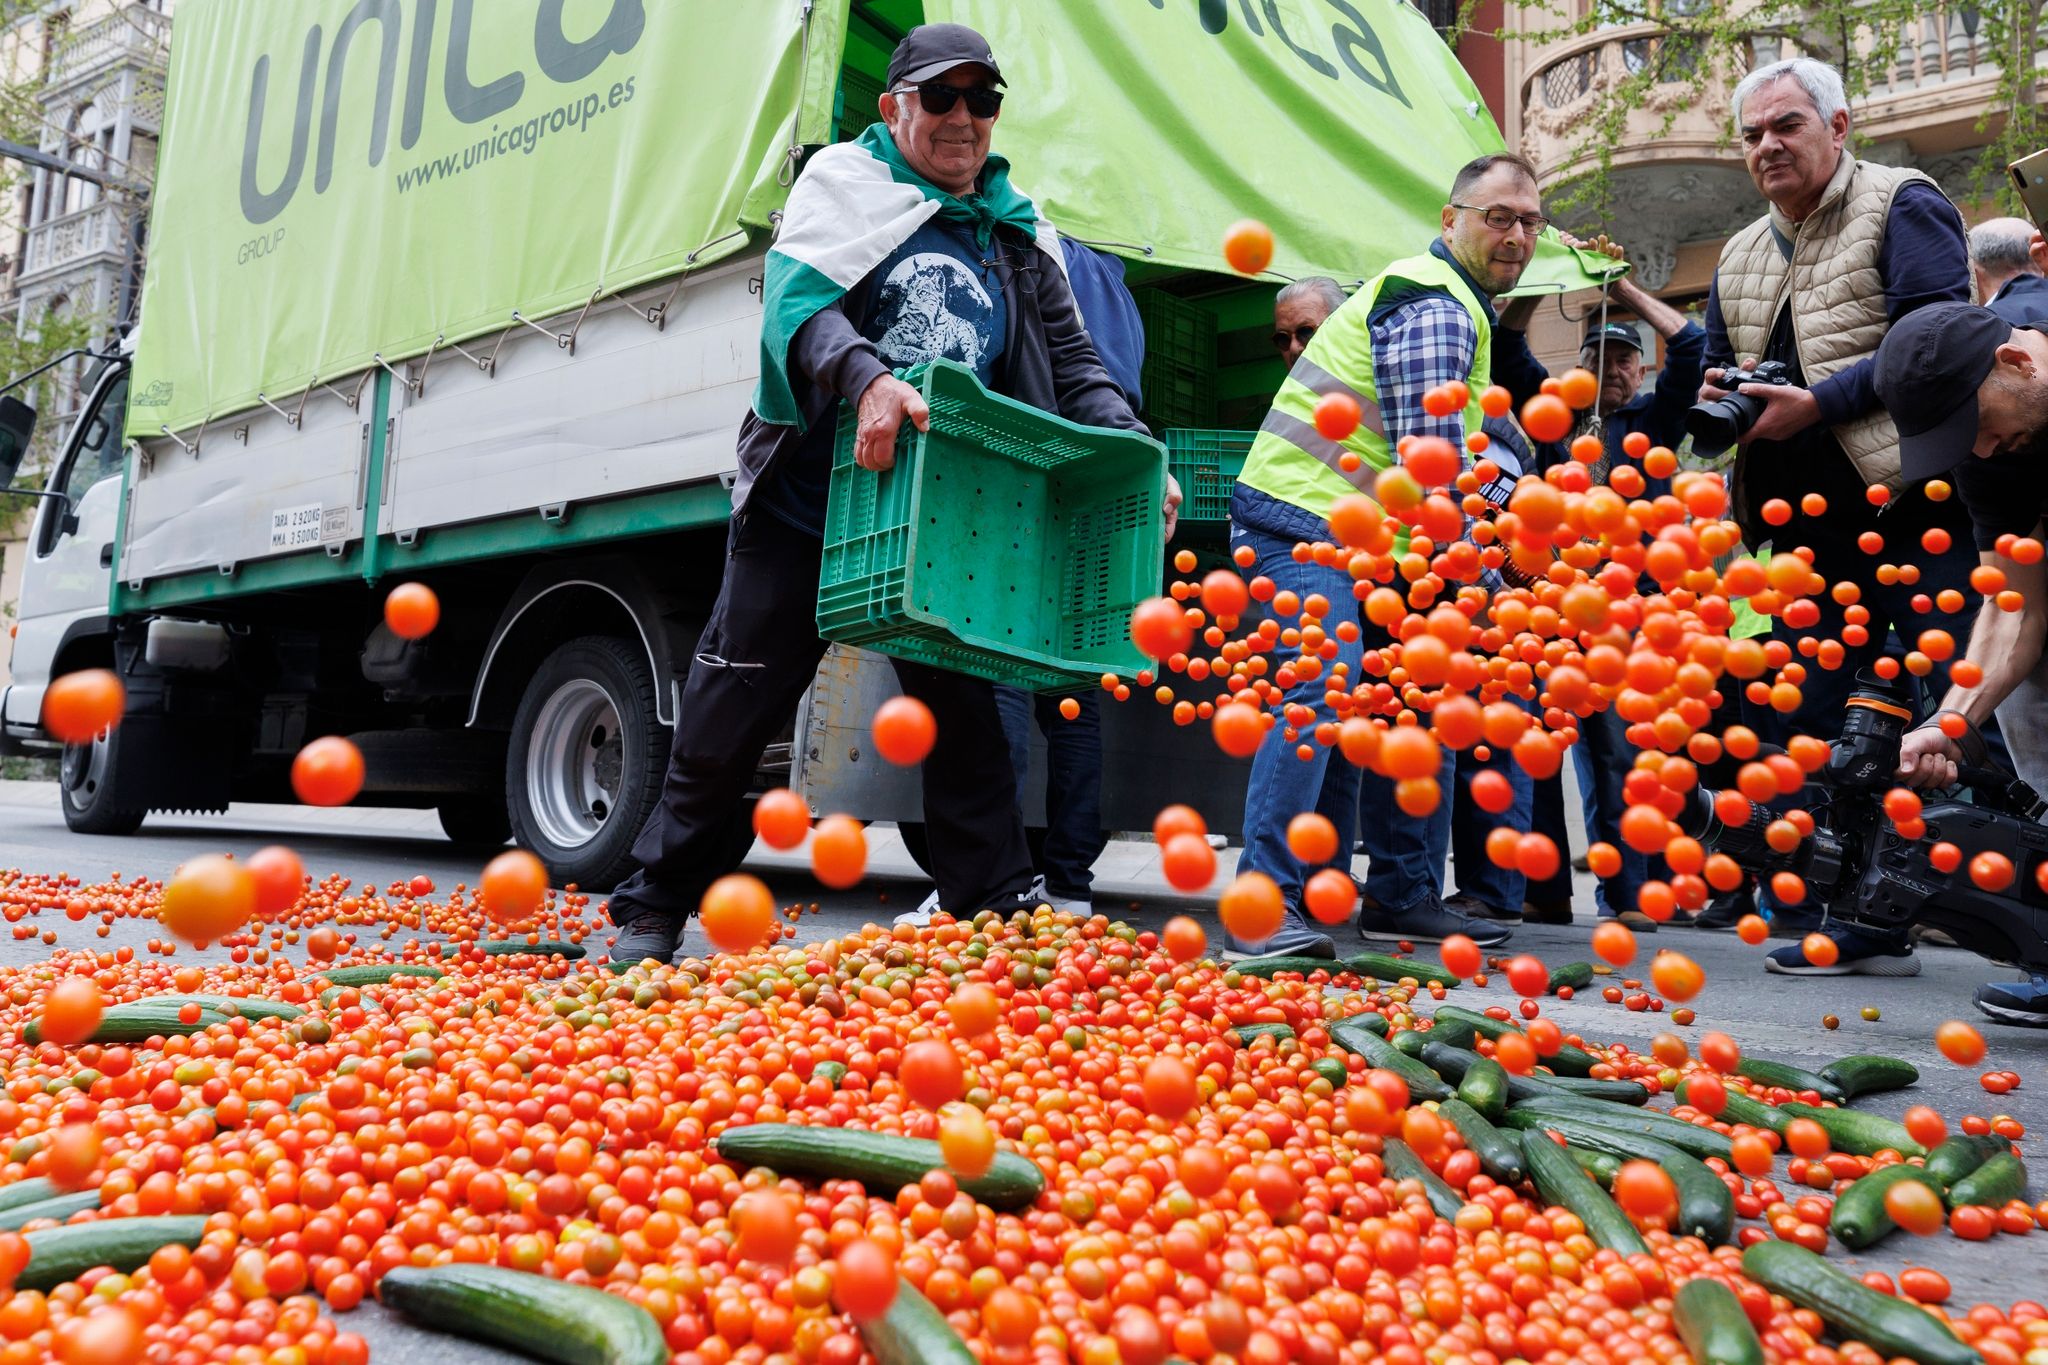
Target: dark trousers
{"x": 1547, "y": 817}
{"x": 758, "y": 653}
{"x": 1065, "y": 849}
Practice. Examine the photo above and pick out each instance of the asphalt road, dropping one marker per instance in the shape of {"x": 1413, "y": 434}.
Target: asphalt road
{"x": 1770, "y": 1016}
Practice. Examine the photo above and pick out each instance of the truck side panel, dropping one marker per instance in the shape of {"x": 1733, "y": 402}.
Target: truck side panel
{"x": 634, "y": 408}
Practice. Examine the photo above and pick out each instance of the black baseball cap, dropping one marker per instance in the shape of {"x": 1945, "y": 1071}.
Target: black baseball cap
{"x": 1614, "y": 334}
{"x": 933, "y": 49}
{"x": 1928, "y": 370}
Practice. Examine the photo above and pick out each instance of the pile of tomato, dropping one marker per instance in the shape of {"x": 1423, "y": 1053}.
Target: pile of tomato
{"x": 1204, "y": 1197}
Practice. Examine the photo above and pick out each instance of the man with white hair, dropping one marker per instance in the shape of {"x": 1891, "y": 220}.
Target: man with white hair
{"x": 1299, "y": 310}
{"x": 1846, "y": 250}
{"x": 2007, "y": 256}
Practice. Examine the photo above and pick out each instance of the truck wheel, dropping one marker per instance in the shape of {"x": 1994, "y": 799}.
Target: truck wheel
{"x": 88, "y": 786}
{"x": 586, "y": 761}
{"x": 476, "y": 821}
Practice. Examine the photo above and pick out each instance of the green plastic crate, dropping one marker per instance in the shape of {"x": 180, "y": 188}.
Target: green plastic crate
{"x": 859, "y": 104}
{"x": 1207, "y": 464}
{"x": 1179, "y": 372}
{"x": 1006, "y": 543}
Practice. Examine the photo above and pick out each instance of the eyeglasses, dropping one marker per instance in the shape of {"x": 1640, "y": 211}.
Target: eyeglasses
{"x": 1500, "y": 219}
{"x": 1303, "y": 334}
{"x": 939, "y": 98}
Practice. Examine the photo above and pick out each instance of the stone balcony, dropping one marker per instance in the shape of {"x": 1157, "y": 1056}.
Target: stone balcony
{"x": 131, "y": 36}
{"x": 77, "y": 238}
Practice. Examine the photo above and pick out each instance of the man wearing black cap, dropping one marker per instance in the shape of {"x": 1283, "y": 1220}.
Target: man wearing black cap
{"x": 1969, "y": 392}
{"x": 906, "y": 245}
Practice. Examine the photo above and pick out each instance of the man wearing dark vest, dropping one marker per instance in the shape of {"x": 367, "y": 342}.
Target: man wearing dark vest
{"x": 1846, "y": 250}
{"x": 1422, "y": 322}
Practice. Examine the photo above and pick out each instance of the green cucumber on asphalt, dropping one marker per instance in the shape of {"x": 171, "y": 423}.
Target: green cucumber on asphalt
{"x": 376, "y": 973}
{"x": 1484, "y": 1086}
{"x": 56, "y": 1255}
{"x": 1741, "y": 1108}
{"x": 1381, "y": 967}
{"x": 1851, "y": 1131}
{"x": 512, "y": 947}
{"x": 883, "y": 1162}
{"x": 1566, "y": 1061}
{"x": 1995, "y": 1184}
{"x": 1866, "y": 1074}
{"x": 1713, "y": 1326}
{"x": 1785, "y": 1076}
{"x": 1281, "y": 963}
{"x": 568, "y": 1324}
{"x": 1895, "y": 1327}
{"x": 1701, "y": 1141}
{"x": 1423, "y": 1084}
{"x": 1500, "y": 1154}
{"x": 1577, "y": 975}
{"x": 913, "y": 1332}
{"x": 1453, "y": 1062}
{"x": 1950, "y": 1161}
{"x": 58, "y": 1207}
{"x": 1560, "y": 1181}
{"x": 1859, "y": 1218}
{"x": 1402, "y": 1163}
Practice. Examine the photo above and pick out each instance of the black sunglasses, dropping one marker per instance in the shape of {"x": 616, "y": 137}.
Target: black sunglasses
{"x": 1303, "y": 334}
{"x": 939, "y": 98}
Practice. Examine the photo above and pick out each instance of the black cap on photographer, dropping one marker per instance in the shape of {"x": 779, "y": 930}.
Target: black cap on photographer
{"x": 1929, "y": 368}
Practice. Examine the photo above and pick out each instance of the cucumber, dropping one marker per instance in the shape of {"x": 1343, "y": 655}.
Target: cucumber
{"x": 1410, "y": 1041}
{"x": 1484, "y": 1086}
{"x": 1330, "y": 1069}
{"x": 1865, "y": 1074}
{"x": 1568, "y": 1061}
{"x": 1423, "y": 1084}
{"x": 376, "y": 973}
{"x": 512, "y": 947}
{"x": 1381, "y": 967}
{"x": 333, "y": 993}
{"x": 136, "y": 1021}
{"x": 1371, "y": 1020}
{"x": 833, "y": 1072}
{"x": 1950, "y": 1161}
{"x": 1452, "y": 1033}
{"x": 60, "y": 1207}
{"x": 1560, "y": 1181}
{"x": 1278, "y": 964}
{"x": 1859, "y": 1218}
{"x": 545, "y": 1318}
{"x": 913, "y": 1333}
{"x": 1402, "y": 1164}
{"x": 1577, "y": 975}
{"x": 1602, "y": 1166}
{"x": 1851, "y": 1131}
{"x": 59, "y": 1254}
{"x": 1996, "y": 1183}
{"x": 1788, "y": 1077}
{"x": 246, "y": 1006}
{"x": 1248, "y": 1033}
{"x": 1742, "y": 1108}
{"x": 1452, "y": 1062}
{"x": 1500, "y": 1155}
{"x": 1687, "y": 1137}
{"x": 33, "y": 1190}
{"x": 1705, "y": 1207}
{"x": 881, "y": 1161}
{"x": 1895, "y": 1327}
{"x": 1713, "y": 1326}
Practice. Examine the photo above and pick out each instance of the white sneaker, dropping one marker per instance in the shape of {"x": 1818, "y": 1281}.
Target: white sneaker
{"x": 921, "y": 918}
{"x": 1040, "y": 896}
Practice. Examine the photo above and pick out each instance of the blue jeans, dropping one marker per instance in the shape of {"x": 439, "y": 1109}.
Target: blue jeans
{"x": 1064, "y": 852}
{"x": 1503, "y": 888}
{"x": 1604, "y": 757}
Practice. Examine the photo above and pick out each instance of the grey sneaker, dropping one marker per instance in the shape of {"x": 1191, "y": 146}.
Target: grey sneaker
{"x": 1429, "y": 921}
{"x": 1461, "y": 904}
{"x": 645, "y": 936}
{"x": 1296, "y": 937}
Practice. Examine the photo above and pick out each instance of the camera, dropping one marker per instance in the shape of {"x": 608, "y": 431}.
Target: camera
{"x": 1861, "y": 871}
{"x": 1719, "y": 423}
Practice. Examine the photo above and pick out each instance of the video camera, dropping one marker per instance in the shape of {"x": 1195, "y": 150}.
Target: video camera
{"x": 1862, "y": 872}
{"x": 1719, "y": 422}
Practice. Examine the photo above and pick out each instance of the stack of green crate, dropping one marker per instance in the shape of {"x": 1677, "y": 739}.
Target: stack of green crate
{"x": 1206, "y": 464}
{"x": 860, "y": 98}
{"x": 1179, "y": 374}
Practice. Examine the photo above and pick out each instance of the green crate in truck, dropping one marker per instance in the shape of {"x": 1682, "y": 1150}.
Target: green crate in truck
{"x": 1179, "y": 372}
{"x": 1207, "y": 464}
{"x": 1006, "y": 542}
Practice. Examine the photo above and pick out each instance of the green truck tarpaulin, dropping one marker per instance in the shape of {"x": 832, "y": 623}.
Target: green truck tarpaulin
{"x": 349, "y": 179}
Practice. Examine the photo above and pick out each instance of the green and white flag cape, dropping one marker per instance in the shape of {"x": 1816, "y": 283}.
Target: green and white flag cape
{"x": 855, "y": 203}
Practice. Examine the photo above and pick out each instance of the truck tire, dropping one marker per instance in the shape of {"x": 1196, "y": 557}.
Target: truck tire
{"x": 586, "y": 760}
{"x": 89, "y": 787}
{"x": 476, "y": 821}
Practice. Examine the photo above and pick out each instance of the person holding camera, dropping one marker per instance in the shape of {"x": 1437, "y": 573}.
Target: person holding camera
{"x": 1962, "y": 381}
{"x": 1800, "y": 301}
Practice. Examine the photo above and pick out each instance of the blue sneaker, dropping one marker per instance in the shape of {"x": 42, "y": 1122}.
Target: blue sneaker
{"x": 2016, "y": 1002}
{"x": 1295, "y": 938}
{"x": 1861, "y": 955}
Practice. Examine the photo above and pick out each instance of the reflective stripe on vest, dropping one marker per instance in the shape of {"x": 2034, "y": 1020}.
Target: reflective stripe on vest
{"x": 1291, "y": 460}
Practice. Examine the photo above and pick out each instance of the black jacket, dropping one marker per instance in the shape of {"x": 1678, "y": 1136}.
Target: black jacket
{"x": 1047, "y": 361}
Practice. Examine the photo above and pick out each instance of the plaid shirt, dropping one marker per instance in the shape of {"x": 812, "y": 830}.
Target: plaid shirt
{"x": 1418, "y": 346}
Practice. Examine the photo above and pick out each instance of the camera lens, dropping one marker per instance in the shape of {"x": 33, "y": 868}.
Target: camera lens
{"x": 1718, "y": 424}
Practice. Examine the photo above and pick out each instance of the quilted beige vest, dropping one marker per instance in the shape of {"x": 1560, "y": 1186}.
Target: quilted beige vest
{"x": 1837, "y": 296}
